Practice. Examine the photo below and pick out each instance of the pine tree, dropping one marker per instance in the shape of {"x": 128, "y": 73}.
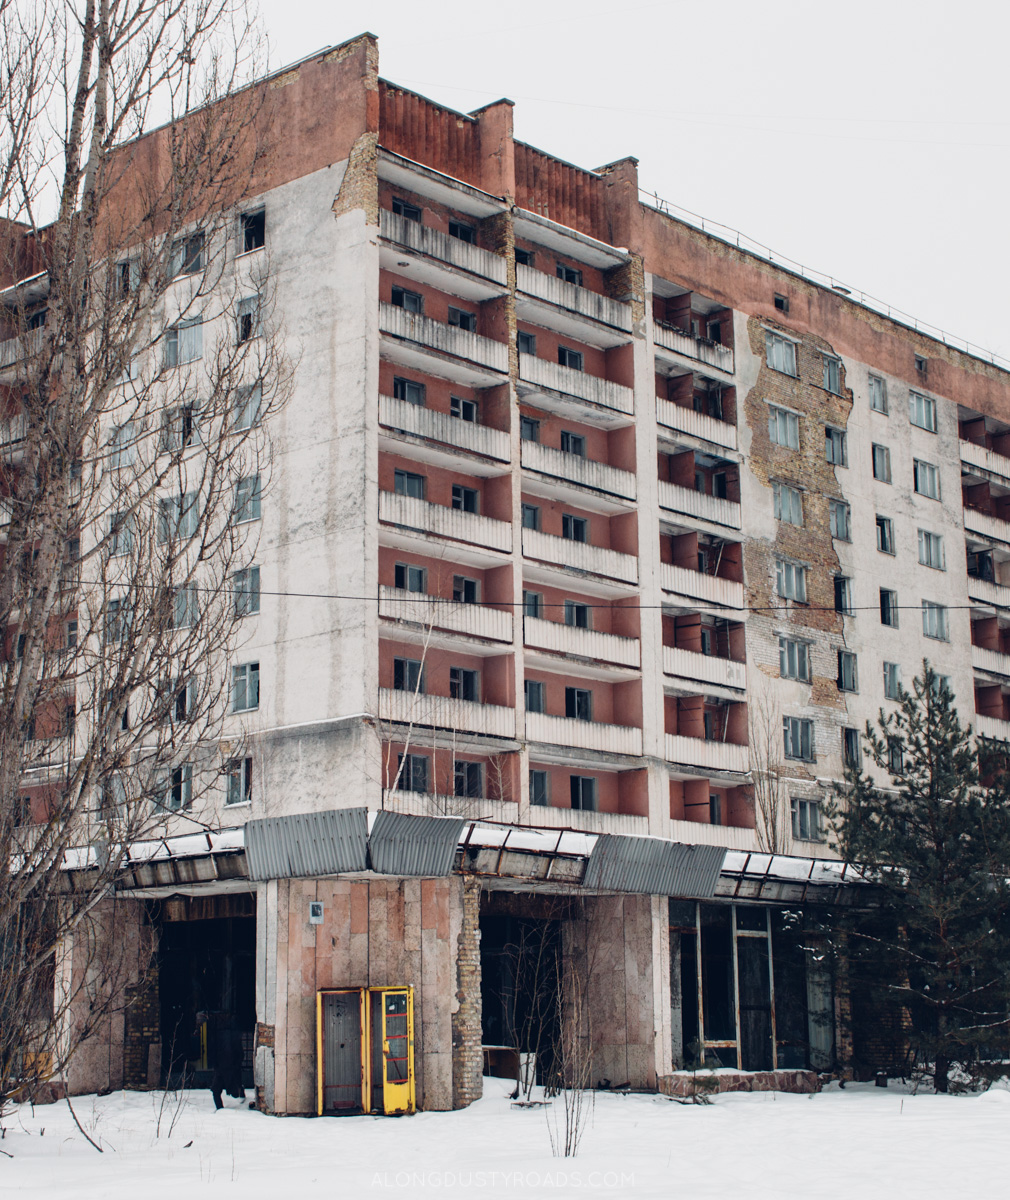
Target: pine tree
{"x": 929, "y": 823}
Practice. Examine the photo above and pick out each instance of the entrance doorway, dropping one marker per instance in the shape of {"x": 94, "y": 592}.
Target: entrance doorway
{"x": 365, "y": 1051}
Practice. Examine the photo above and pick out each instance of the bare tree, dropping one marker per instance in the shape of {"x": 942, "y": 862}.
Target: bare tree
{"x": 139, "y": 362}
{"x": 764, "y": 718}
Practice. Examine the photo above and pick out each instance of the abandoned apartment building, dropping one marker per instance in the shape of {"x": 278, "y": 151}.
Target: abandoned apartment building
{"x": 623, "y": 518}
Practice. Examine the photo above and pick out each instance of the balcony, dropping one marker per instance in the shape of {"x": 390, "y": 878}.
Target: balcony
{"x": 706, "y": 668}
{"x": 583, "y": 735}
{"x": 701, "y": 754}
{"x": 473, "y": 620}
{"x": 506, "y": 812}
{"x": 542, "y": 373}
{"x": 14, "y": 349}
{"x": 697, "y": 504}
{"x": 579, "y": 556}
{"x": 701, "y": 589}
{"x": 573, "y": 298}
{"x": 442, "y": 712}
{"x": 733, "y": 837}
{"x": 699, "y": 425}
{"x": 992, "y": 661}
{"x": 581, "y": 643}
{"x": 994, "y": 528}
{"x": 973, "y": 455}
{"x": 582, "y": 471}
{"x": 422, "y": 240}
{"x": 700, "y": 349}
{"x": 992, "y": 727}
{"x": 443, "y": 338}
{"x": 988, "y": 592}
{"x": 13, "y": 431}
{"x": 411, "y": 513}
{"x": 440, "y": 427}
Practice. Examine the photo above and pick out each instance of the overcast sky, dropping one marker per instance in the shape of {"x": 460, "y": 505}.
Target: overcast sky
{"x": 866, "y": 139}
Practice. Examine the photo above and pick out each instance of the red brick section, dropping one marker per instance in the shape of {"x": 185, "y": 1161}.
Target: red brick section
{"x": 467, "y": 1055}
{"x": 687, "y": 1084}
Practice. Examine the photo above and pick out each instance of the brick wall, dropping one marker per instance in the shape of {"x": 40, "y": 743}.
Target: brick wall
{"x": 467, "y": 1055}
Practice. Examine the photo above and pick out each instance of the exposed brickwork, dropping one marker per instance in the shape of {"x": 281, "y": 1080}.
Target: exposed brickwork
{"x": 142, "y": 1031}
{"x": 467, "y": 1055}
{"x": 686, "y": 1083}
{"x": 264, "y": 1034}
{"x": 360, "y": 186}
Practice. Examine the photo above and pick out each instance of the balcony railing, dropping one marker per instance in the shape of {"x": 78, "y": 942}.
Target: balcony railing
{"x": 986, "y": 526}
{"x": 440, "y": 427}
{"x": 506, "y": 812}
{"x": 446, "y": 339}
{"x": 666, "y": 337}
{"x": 580, "y": 556}
{"x": 541, "y": 372}
{"x": 583, "y": 735}
{"x": 573, "y": 298}
{"x": 445, "y": 522}
{"x": 993, "y": 661}
{"x": 475, "y": 620}
{"x": 696, "y": 833}
{"x": 435, "y": 244}
{"x": 707, "y": 668}
{"x": 700, "y": 588}
{"x": 583, "y": 471}
{"x": 697, "y": 504}
{"x": 442, "y": 712}
{"x": 992, "y": 727}
{"x": 13, "y": 431}
{"x": 707, "y": 755}
{"x": 14, "y": 349}
{"x": 988, "y": 592}
{"x": 700, "y": 425}
{"x": 581, "y": 643}
{"x": 981, "y": 456}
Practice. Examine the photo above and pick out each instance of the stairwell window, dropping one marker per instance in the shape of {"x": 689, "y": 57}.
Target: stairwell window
{"x": 583, "y": 792}
{"x": 787, "y": 503}
{"x": 464, "y": 684}
{"x": 931, "y": 550}
{"x": 407, "y": 483}
{"x": 794, "y": 659}
{"x": 573, "y": 443}
{"x": 832, "y": 374}
{"x": 839, "y": 515}
{"x": 403, "y": 208}
{"x": 245, "y": 687}
{"x": 413, "y": 773}
{"x": 780, "y": 353}
{"x": 578, "y": 704}
{"x": 783, "y": 427}
{"x": 408, "y": 675}
{"x": 468, "y": 779}
{"x": 534, "y": 690}
{"x": 462, "y": 319}
{"x": 878, "y": 394}
{"x": 881, "y": 463}
{"x": 926, "y": 479}
{"x": 572, "y": 359}
{"x": 834, "y": 446}
{"x": 922, "y": 411}
{"x": 410, "y": 301}
{"x": 888, "y": 607}
{"x": 791, "y": 581}
{"x": 409, "y": 578}
{"x": 848, "y": 678}
{"x": 408, "y": 390}
{"x": 574, "y": 529}
{"x": 465, "y": 499}
{"x": 934, "y": 621}
{"x": 885, "y": 534}
{"x": 798, "y": 738}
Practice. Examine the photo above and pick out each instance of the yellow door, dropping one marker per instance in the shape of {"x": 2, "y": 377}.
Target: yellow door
{"x": 397, "y": 1049}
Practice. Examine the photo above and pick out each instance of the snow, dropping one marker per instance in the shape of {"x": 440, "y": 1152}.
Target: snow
{"x": 862, "y": 1141}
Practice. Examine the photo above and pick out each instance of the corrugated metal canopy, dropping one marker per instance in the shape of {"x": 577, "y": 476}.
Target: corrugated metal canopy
{"x": 402, "y": 844}
{"x": 653, "y": 867}
{"x": 307, "y": 844}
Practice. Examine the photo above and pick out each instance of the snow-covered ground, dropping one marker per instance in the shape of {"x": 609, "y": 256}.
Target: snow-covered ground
{"x": 860, "y": 1142}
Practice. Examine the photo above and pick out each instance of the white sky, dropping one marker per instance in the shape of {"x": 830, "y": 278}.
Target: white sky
{"x": 866, "y": 139}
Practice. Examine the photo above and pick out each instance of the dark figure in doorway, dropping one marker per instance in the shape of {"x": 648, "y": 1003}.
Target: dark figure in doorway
{"x": 224, "y": 1051}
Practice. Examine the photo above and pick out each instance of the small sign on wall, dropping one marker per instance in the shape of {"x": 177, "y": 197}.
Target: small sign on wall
{"x": 315, "y": 912}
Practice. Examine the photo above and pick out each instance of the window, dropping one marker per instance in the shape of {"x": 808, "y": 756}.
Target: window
{"x": 464, "y": 591}
{"x": 465, "y": 233}
{"x": 576, "y": 615}
{"x": 806, "y": 816}
{"x": 578, "y": 703}
{"x": 245, "y": 590}
{"x": 182, "y": 701}
{"x": 238, "y": 781}
{"x": 790, "y": 581}
{"x": 941, "y": 682}
{"x": 466, "y": 499}
{"x": 413, "y": 773}
{"x": 411, "y": 301}
{"x": 253, "y": 231}
{"x": 834, "y": 446}
{"x": 569, "y": 274}
{"x": 934, "y": 621}
{"x": 848, "y": 678}
{"x": 524, "y": 258}
{"x": 121, "y": 526}
{"x": 832, "y": 374}
{"x": 403, "y": 208}
{"x": 463, "y": 410}
{"x": 410, "y": 579}
{"x": 843, "y": 595}
{"x": 926, "y": 479}
{"x": 781, "y": 303}
{"x": 574, "y": 529}
{"x": 583, "y": 792}
{"x": 118, "y": 618}
{"x": 885, "y": 534}
{"x": 185, "y": 607}
{"x": 531, "y": 516}
{"x": 179, "y": 788}
{"x": 463, "y": 319}
{"x": 177, "y": 517}
{"x": 406, "y": 483}
{"x": 794, "y": 659}
{"x": 245, "y": 687}
{"x": 247, "y": 499}
{"x": 407, "y": 389}
{"x": 881, "y": 463}
{"x": 922, "y": 411}
{"x": 529, "y": 429}
{"x": 920, "y": 364}
{"x": 798, "y": 738}
{"x": 788, "y": 503}
{"x": 878, "y": 394}
{"x": 838, "y": 517}
{"x": 533, "y": 604}
{"x": 780, "y": 353}
{"x": 468, "y": 779}
{"x": 535, "y": 702}
{"x": 570, "y": 358}
{"x": 121, "y": 445}
{"x": 248, "y": 319}
{"x": 187, "y": 254}
{"x": 539, "y": 788}
{"x": 70, "y": 635}
{"x": 464, "y": 684}
{"x": 408, "y": 675}
{"x": 714, "y": 808}
{"x": 184, "y": 342}
{"x": 573, "y": 443}
{"x": 852, "y": 754}
{"x": 527, "y": 342}
{"x": 895, "y": 758}
{"x": 128, "y": 276}
{"x": 888, "y": 607}
{"x": 892, "y": 680}
{"x": 783, "y": 427}
{"x": 177, "y": 428}
{"x": 246, "y": 404}
{"x": 931, "y": 550}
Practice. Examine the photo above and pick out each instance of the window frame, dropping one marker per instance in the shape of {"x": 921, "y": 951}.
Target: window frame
{"x": 797, "y": 572}
{"x": 922, "y": 471}
{"x": 848, "y": 671}
{"x": 935, "y": 621}
{"x": 245, "y": 682}
{"x": 880, "y": 452}
{"x": 785, "y": 512}
{"x": 841, "y": 530}
{"x": 889, "y": 608}
{"x": 836, "y": 450}
{"x": 794, "y": 651}
{"x": 880, "y": 392}
{"x": 779, "y": 419}
{"x": 775, "y": 346}
{"x": 246, "y": 591}
{"x": 884, "y": 526}
{"x": 832, "y": 374}
{"x": 921, "y": 405}
{"x": 798, "y": 732}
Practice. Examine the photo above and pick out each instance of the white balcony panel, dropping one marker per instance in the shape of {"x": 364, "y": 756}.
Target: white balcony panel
{"x": 13, "y": 430}
{"x": 445, "y": 522}
{"x": 506, "y": 812}
{"x": 440, "y": 427}
{"x": 706, "y": 755}
{"x": 989, "y": 460}
{"x": 699, "y": 425}
{"x": 588, "y": 822}
{"x": 442, "y": 712}
{"x": 697, "y": 504}
{"x": 988, "y": 592}
{"x": 572, "y": 297}
{"x": 580, "y": 556}
{"x": 992, "y": 727}
{"x": 730, "y": 836}
{"x": 700, "y": 588}
{"x": 475, "y": 620}
{"x": 583, "y": 643}
{"x": 583, "y": 735}
{"x": 707, "y": 668}
{"x": 14, "y": 349}
{"x": 446, "y": 339}
{"x": 992, "y": 661}
{"x": 436, "y": 244}
{"x": 583, "y": 471}
{"x": 698, "y": 348}
{"x": 986, "y": 526}
{"x": 543, "y": 373}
